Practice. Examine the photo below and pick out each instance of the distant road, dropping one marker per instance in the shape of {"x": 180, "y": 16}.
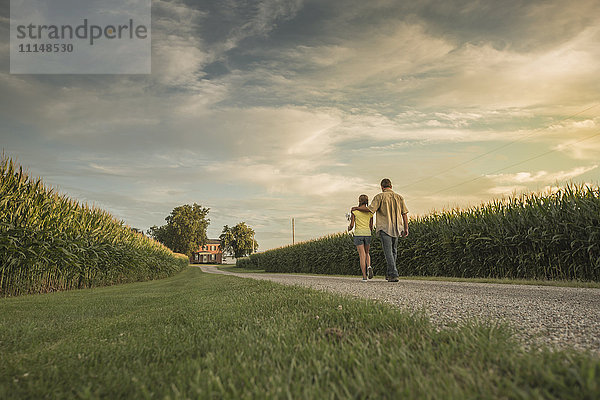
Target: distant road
{"x": 559, "y": 316}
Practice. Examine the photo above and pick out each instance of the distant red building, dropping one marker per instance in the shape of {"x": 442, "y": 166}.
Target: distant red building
{"x": 210, "y": 253}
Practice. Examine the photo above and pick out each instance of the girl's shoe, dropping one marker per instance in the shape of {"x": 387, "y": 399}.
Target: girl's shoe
{"x": 365, "y": 280}
{"x": 370, "y": 272}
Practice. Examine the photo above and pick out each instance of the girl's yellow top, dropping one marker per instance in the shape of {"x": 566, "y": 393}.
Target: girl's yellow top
{"x": 361, "y": 223}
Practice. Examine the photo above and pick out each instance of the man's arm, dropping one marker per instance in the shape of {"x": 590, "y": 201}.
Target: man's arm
{"x": 405, "y": 222}
{"x": 372, "y": 208}
{"x": 371, "y": 224}
{"x": 351, "y": 223}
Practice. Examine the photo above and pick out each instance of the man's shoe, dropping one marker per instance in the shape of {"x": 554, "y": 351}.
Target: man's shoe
{"x": 393, "y": 279}
{"x": 370, "y": 272}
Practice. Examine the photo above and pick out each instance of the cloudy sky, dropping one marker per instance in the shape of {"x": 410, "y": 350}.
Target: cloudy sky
{"x": 273, "y": 109}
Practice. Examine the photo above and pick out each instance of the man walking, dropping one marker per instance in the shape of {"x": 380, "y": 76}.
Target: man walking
{"x": 390, "y": 209}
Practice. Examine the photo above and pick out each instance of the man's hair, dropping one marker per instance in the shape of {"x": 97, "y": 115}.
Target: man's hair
{"x": 386, "y": 183}
{"x": 363, "y": 200}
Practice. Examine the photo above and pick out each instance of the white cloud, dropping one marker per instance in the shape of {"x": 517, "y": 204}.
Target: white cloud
{"x": 496, "y": 79}
{"x": 567, "y": 126}
{"x": 374, "y": 56}
{"x": 178, "y": 53}
{"x": 581, "y": 149}
{"x": 541, "y": 176}
{"x": 268, "y": 13}
{"x": 284, "y": 178}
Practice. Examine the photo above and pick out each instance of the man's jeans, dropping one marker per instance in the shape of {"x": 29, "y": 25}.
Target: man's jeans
{"x": 390, "y": 249}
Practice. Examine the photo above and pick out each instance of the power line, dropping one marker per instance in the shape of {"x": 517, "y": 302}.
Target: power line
{"x": 513, "y": 165}
{"x": 494, "y": 149}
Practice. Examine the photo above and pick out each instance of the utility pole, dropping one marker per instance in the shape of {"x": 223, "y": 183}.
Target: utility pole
{"x": 293, "y": 232}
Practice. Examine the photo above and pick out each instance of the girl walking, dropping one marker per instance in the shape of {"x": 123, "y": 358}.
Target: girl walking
{"x": 362, "y": 236}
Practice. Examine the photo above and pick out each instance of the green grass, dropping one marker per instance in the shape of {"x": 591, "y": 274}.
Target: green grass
{"x": 197, "y": 335}
{"x": 505, "y": 281}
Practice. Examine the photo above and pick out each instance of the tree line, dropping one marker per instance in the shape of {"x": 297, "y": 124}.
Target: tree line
{"x": 185, "y": 232}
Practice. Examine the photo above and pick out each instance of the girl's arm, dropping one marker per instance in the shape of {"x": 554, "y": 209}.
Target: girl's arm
{"x": 351, "y": 223}
{"x": 371, "y": 224}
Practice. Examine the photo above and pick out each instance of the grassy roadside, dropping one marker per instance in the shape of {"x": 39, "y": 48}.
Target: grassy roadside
{"x": 576, "y": 284}
{"x": 192, "y": 336}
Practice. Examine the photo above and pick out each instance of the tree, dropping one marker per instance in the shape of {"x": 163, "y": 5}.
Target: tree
{"x": 227, "y": 240}
{"x": 238, "y": 240}
{"x": 185, "y": 230}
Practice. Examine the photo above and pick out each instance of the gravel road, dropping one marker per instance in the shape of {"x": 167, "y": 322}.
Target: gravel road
{"x": 559, "y": 316}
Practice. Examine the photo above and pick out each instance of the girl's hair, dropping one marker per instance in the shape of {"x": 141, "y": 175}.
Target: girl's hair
{"x": 363, "y": 200}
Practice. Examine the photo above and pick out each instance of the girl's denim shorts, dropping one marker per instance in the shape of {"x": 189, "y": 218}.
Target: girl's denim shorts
{"x": 365, "y": 240}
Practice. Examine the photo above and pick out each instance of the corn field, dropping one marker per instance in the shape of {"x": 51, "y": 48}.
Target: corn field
{"x": 554, "y": 236}
{"x": 49, "y": 242}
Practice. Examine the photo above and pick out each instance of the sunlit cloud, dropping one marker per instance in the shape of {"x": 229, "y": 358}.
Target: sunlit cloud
{"x": 520, "y": 180}
{"x": 581, "y": 149}
{"x": 285, "y": 179}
